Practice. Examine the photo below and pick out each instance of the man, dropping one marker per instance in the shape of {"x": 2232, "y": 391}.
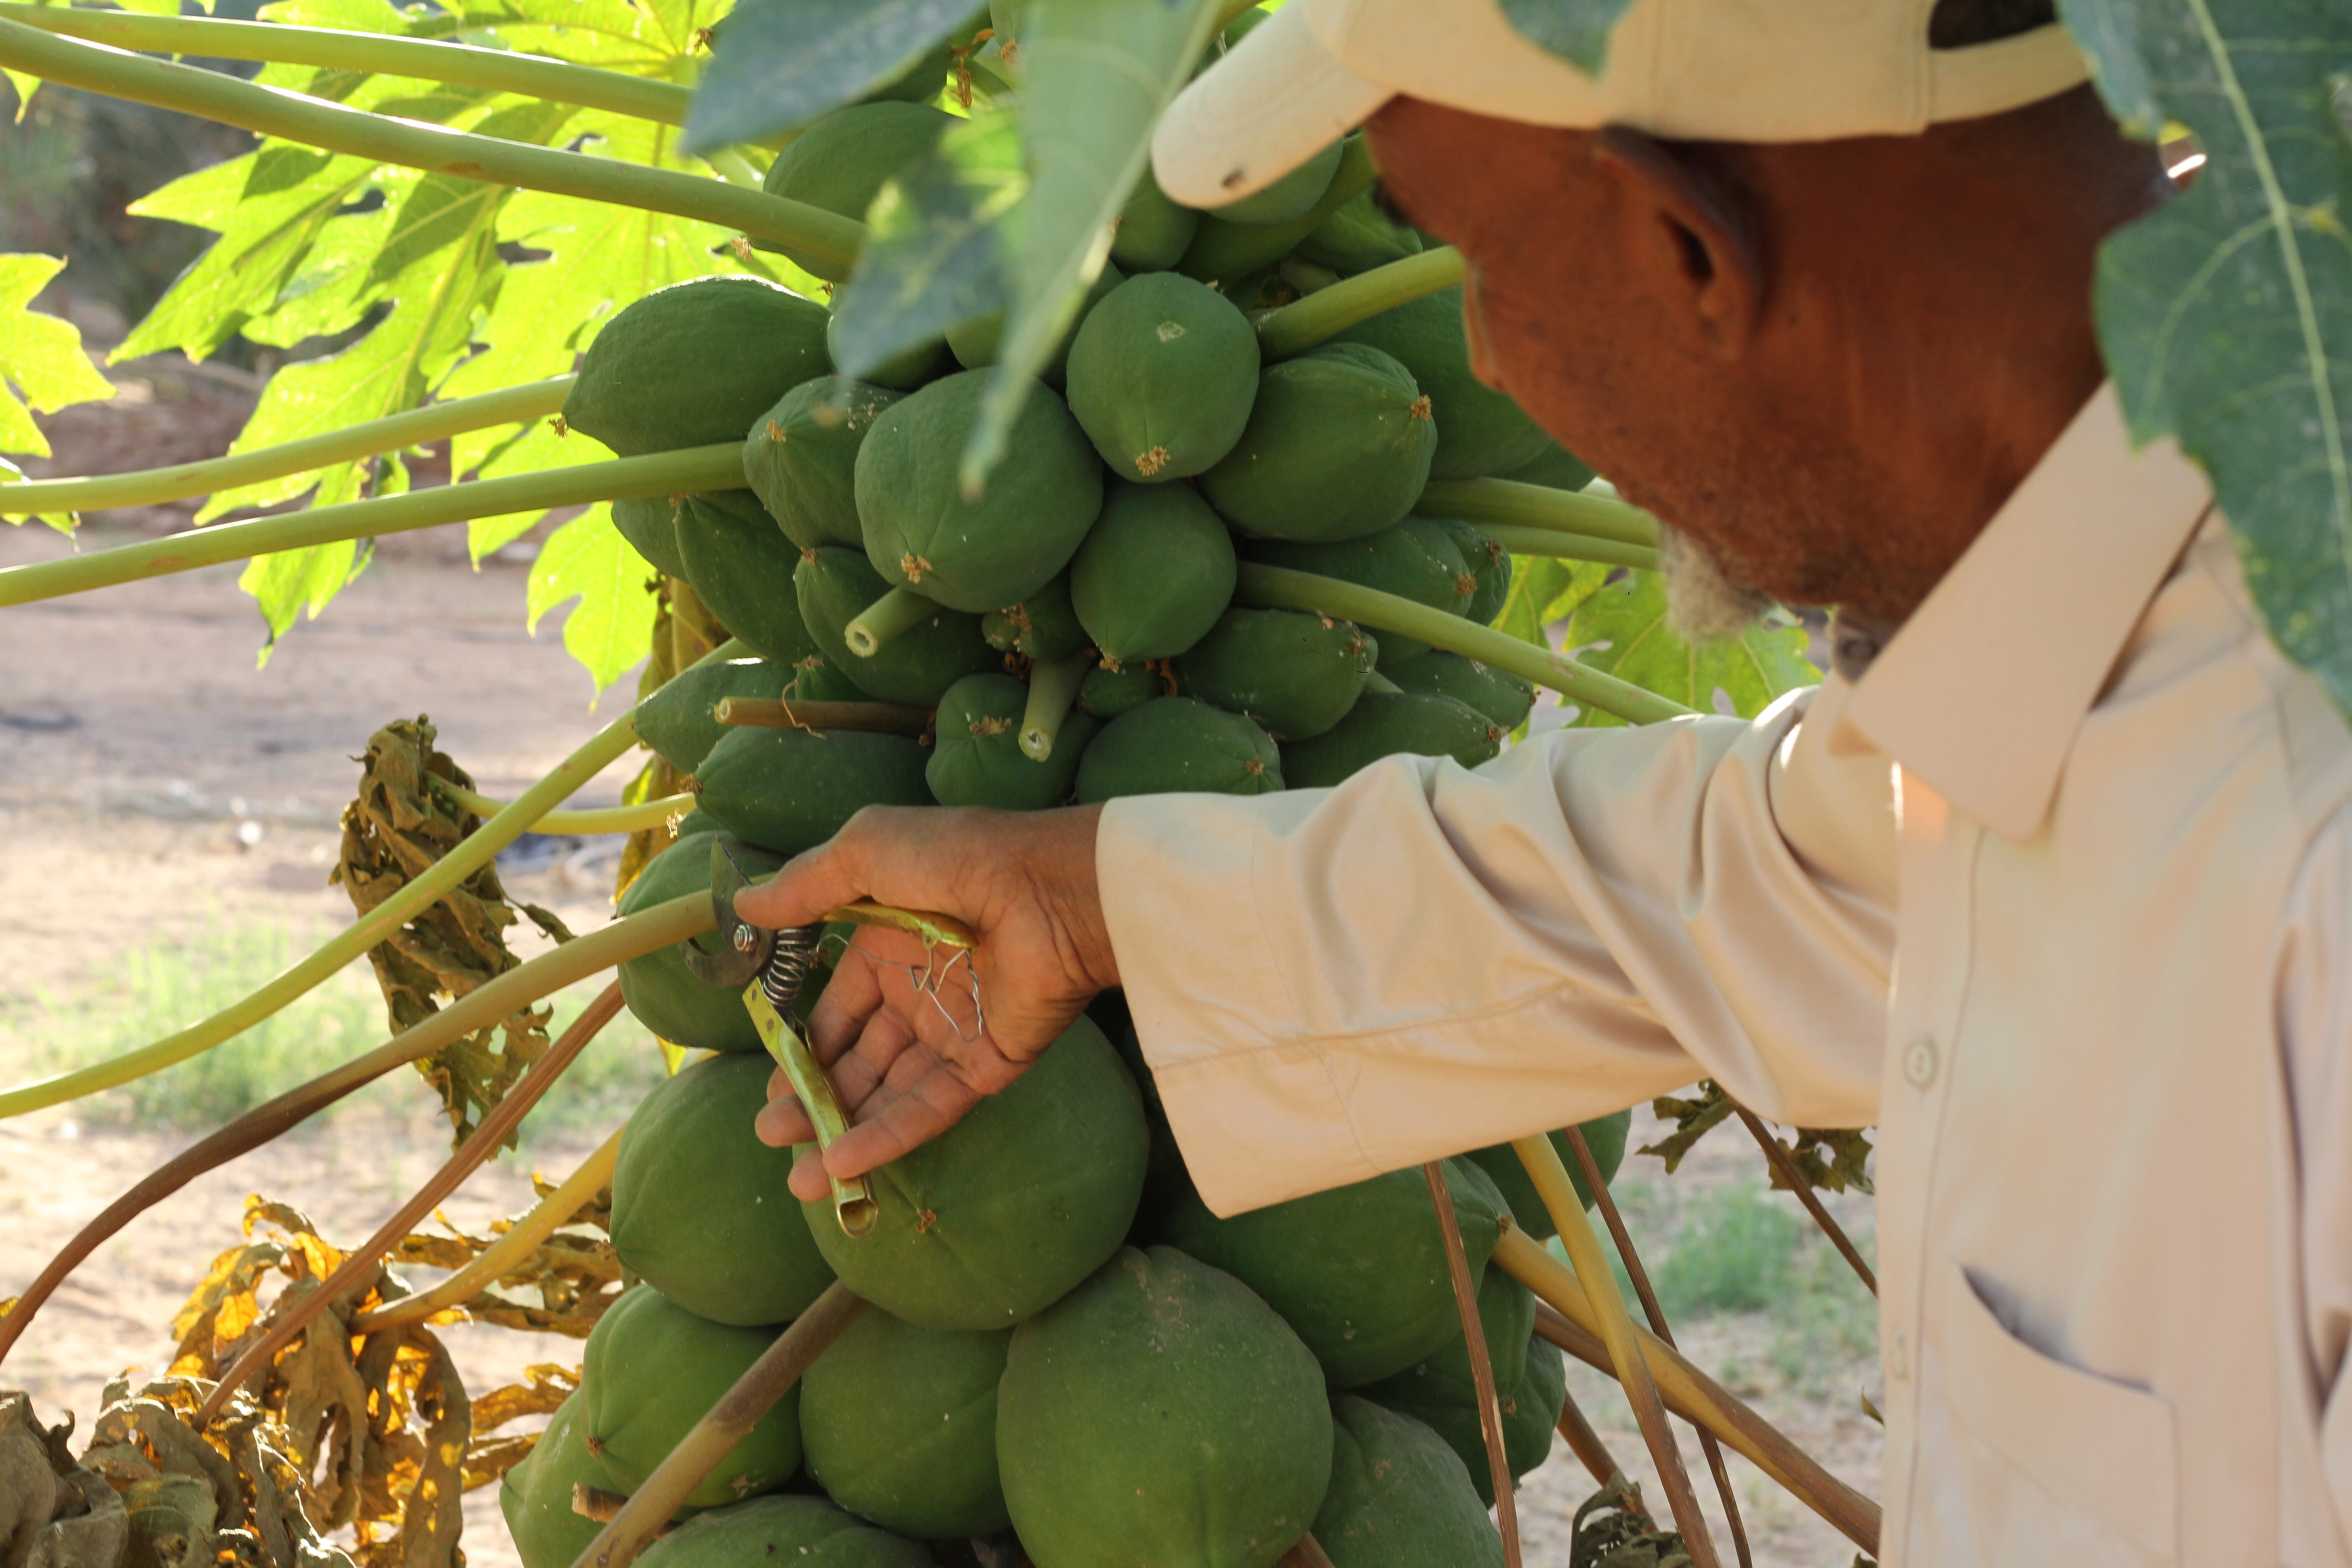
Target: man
{"x": 2048, "y": 879}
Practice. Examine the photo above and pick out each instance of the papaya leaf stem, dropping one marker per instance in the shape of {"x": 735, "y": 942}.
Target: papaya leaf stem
{"x": 1587, "y": 1444}
{"x": 713, "y": 468}
{"x": 146, "y": 486}
{"x": 1297, "y": 327}
{"x": 1564, "y": 1317}
{"x": 646, "y": 931}
{"x": 871, "y": 629}
{"x": 1794, "y": 1179}
{"x": 1482, "y": 1365}
{"x": 508, "y": 1252}
{"x": 1279, "y": 587}
{"x": 269, "y": 111}
{"x": 475, "y": 851}
{"x": 364, "y": 1260}
{"x": 1052, "y": 687}
{"x": 1509, "y": 502}
{"x": 460, "y": 65}
{"x": 697, "y": 1453}
{"x": 877, "y": 718}
{"x": 604, "y": 819}
{"x": 1617, "y": 1332}
{"x": 1522, "y": 541}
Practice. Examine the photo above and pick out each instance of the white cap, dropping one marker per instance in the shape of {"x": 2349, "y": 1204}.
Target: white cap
{"x": 1707, "y": 71}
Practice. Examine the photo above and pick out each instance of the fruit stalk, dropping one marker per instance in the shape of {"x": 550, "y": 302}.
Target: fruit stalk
{"x": 1507, "y": 501}
{"x": 1520, "y": 539}
{"x": 875, "y": 719}
{"x": 602, "y": 820}
{"x": 1297, "y": 327}
{"x": 478, "y": 849}
{"x": 1617, "y": 1332}
{"x": 871, "y": 629}
{"x": 361, "y": 1261}
{"x": 1280, "y": 587}
{"x": 713, "y": 468}
{"x": 146, "y": 486}
{"x": 764, "y": 1382}
{"x": 505, "y": 1254}
{"x": 461, "y": 65}
{"x": 1482, "y": 1365}
{"x": 1052, "y": 687}
{"x": 647, "y": 931}
{"x": 266, "y": 111}
{"x": 1565, "y": 1317}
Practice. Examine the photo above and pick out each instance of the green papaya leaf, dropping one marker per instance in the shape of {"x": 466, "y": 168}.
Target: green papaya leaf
{"x": 784, "y": 62}
{"x": 2226, "y": 314}
{"x": 937, "y": 251}
{"x": 1576, "y": 30}
{"x": 1544, "y": 592}
{"x": 1621, "y": 628}
{"x": 611, "y": 626}
{"x": 40, "y": 356}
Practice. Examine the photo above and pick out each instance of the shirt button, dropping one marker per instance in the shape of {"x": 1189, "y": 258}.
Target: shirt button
{"x": 1919, "y": 1061}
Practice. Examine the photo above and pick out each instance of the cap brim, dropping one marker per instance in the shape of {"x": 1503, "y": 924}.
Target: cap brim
{"x": 1275, "y": 101}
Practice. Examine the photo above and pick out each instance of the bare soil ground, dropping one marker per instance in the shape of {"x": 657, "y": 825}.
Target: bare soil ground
{"x": 155, "y": 785}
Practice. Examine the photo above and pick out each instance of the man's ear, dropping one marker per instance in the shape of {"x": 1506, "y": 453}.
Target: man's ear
{"x": 1704, "y": 229}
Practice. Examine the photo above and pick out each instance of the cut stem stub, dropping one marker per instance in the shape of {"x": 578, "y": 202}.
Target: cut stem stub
{"x": 872, "y": 628}
{"x": 1052, "y": 687}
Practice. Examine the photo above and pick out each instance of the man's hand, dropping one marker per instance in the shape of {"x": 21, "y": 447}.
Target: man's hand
{"x": 899, "y": 1058}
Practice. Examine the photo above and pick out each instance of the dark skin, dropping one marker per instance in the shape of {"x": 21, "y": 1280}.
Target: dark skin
{"x": 1828, "y": 362}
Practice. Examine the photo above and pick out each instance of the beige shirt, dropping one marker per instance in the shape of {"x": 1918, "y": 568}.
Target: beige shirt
{"x": 2058, "y": 897}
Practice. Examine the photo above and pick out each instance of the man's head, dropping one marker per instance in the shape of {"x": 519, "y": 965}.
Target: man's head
{"x": 1823, "y": 362}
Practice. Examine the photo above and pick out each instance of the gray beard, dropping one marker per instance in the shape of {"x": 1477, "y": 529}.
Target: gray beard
{"x": 1706, "y": 601}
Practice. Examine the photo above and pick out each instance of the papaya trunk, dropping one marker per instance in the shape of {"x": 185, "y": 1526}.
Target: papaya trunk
{"x": 1279, "y": 587}
{"x": 1520, "y": 539}
{"x": 605, "y": 819}
{"x": 316, "y": 123}
{"x": 1052, "y": 687}
{"x": 1299, "y": 326}
{"x": 872, "y": 628}
{"x": 718, "y": 466}
{"x": 1509, "y": 502}
{"x": 147, "y": 486}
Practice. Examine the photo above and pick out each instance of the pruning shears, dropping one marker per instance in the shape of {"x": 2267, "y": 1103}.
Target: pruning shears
{"x": 773, "y": 966}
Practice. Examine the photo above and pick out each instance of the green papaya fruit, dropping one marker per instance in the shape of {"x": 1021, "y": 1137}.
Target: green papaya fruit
{"x": 1358, "y": 237}
{"x": 922, "y": 81}
{"x": 1507, "y": 1311}
{"x": 790, "y": 790}
{"x": 1160, "y": 1416}
{"x": 1043, "y": 627}
{"x": 902, "y": 371}
{"x": 695, "y": 363}
{"x": 1338, "y": 445}
{"x": 977, "y": 556}
{"x": 819, "y": 679}
{"x": 1359, "y": 1270}
{"x": 975, "y": 342}
{"x": 835, "y": 585}
{"x": 1488, "y": 562}
{"x": 699, "y": 1206}
{"x": 652, "y": 1370}
{"x": 536, "y": 1495}
{"x": 1154, "y": 574}
{"x": 1555, "y": 466}
{"x": 1504, "y": 699}
{"x": 976, "y": 756}
{"x": 695, "y": 821}
{"x": 1386, "y": 724}
{"x": 658, "y": 988}
{"x": 844, "y": 159}
{"x": 1479, "y": 430}
{"x": 1531, "y": 1411}
{"x": 1289, "y": 198}
{"x": 1151, "y": 231}
{"x": 650, "y": 524}
{"x": 1010, "y": 1206}
{"x": 741, "y": 564}
{"x": 1172, "y": 745}
{"x": 1605, "y": 1136}
{"x": 801, "y": 458}
{"x": 899, "y": 1424}
{"x": 1400, "y": 1496}
{"x": 1295, "y": 673}
{"x": 675, "y": 721}
{"x": 1416, "y": 559}
{"x": 1107, "y": 692}
{"x": 802, "y": 1531}
{"x": 1161, "y": 376}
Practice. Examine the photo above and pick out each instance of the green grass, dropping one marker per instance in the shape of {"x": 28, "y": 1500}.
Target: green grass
{"x": 163, "y": 988}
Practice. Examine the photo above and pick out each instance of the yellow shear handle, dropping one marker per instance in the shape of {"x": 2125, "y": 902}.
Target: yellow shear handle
{"x": 854, "y": 1208}
{"x": 933, "y": 930}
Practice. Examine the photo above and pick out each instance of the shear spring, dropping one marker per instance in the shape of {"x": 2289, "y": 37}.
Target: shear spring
{"x": 788, "y": 968}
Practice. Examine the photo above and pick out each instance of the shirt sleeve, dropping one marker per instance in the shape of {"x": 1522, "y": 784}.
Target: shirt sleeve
{"x": 1329, "y": 984}
{"x": 2314, "y": 1013}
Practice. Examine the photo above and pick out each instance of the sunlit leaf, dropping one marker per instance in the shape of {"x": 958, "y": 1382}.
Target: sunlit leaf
{"x": 1621, "y": 628}
{"x": 611, "y": 626}
{"x": 40, "y": 356}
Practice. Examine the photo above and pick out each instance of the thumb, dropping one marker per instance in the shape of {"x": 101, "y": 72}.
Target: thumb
{"x": 823, "y": 878}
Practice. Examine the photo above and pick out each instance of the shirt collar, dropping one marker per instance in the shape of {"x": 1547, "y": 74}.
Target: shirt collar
{"x": 1981, "y": 691}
